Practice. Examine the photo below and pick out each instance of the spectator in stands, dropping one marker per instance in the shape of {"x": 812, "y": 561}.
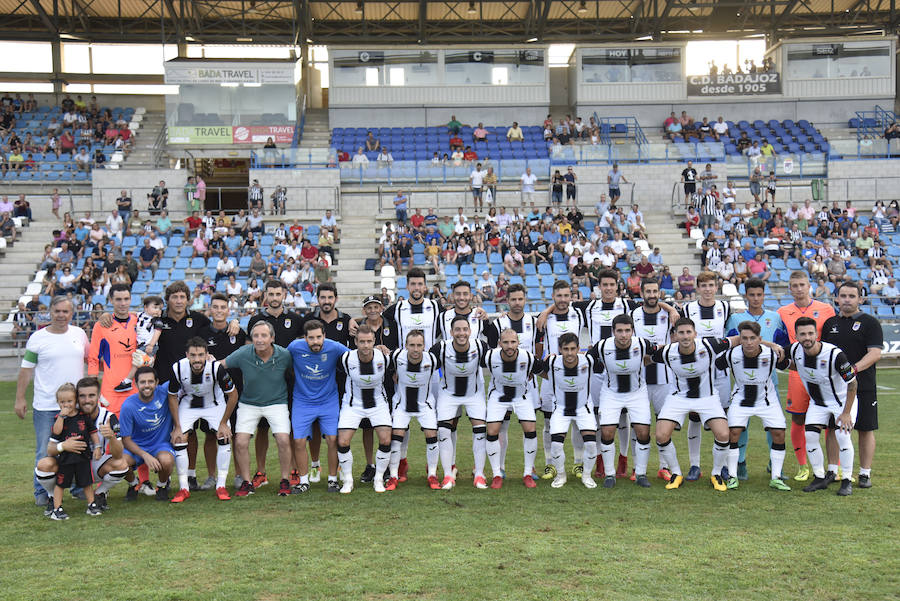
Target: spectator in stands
{"x": 454, "y": 126}
{"x": 480, "y": 134}
{"x": 250, "y": 244}
{"x": 258, "y": 266}
{"x": 455, "y": 142}
{"x": 323, "y": 269}
{"x": 687, "y": 284}
{"x": 515, "y": 133}
{"x": 881, "y": 275}
{"x": 66, "y": 142}
{"x": 83, "y": 160}
{"x": 890, "y": 294}
{"x": 836, "y": 269}
{"x": 149, "y": 256}
{"x": 759, "y": 268}
{"x": 343, "y": 156}
{"x": 192, "y": 223}
{"x": 669, "y": 121}
{"x": 892, "y": 131}
{"x": 469, "y": 155}
{"x": 562, "y": 132}
{"x": 674, "y": 128}
{"x": 360, "y": 159}
{"x": 199, "y": 246}
{"x": 486, "y": 288}
{"x": 720, "y": 129}
{"x": 163, "y": 223}
{"x": 372, "y": 143}
{"x": 767, "y": 151}
{"x": 114, "y": 224}
{"x": 692, "y": 220}
{"x": 879, "y": 215}
{"x": 687, "y": 122}
{"x": 158, "y": 198}
{"x": 270, "y": 153}
{"x": 385, "y": 159}
{"x": 99, "y": 159}
{"x": 725, "y": 270}
{"x": 744, "y": 143}
{"x": 225, "y": 268}
{"x": 705, "y": 129}
{"x": 556, "y": 148}
{"x": 613, "y": 179}
{"x": 401, "y": 205}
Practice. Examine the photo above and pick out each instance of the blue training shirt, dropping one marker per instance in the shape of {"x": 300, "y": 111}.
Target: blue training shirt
{"x": 148, "y": 424}
{"x": 314, "y": 373}
{"x": 771, "y": 327}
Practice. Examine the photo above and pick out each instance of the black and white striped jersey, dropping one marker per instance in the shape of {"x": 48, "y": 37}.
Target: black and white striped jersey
{"x": 476, "y": 326}
{"x": 407, "y": 317}
{"x": 752, "y": 375}
{"x": 510, "y": 379}
{"x": 623, "y": 367}
{"x": 461, "y": 374}
{"x": 599, "y": 315}
{"x": 206, "y": 389}
{"x": 413, "y": 379}
{"x": 558, "y": 324}
{"x": 694, "y": 372}
{"x": 571, "y": 385}
{"x": 364, "y": 386}
{"x": 525, "y": 328}
{"x": 654, "y": 327}
{"x": 824, "y": 375}
{"x": 709, "y": 321}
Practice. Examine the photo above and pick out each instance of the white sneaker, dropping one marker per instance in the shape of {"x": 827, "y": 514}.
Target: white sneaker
{"x": 347, "y": 488}
{"x": 588, "y": 481}
{"x": 378, "y": 484}
{"x": 559, "y": 481}
{"x": 315, "y": 474}
{"x": 147, "y": 489}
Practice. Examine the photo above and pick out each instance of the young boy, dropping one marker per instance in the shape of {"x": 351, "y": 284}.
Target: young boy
{"x": 73, "y": 423}
{"x": 770, "y": 187}
{"x": 147, "y": 335}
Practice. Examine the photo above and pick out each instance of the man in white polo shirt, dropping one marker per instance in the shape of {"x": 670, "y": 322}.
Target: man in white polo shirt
{"x": 53, "y": 356}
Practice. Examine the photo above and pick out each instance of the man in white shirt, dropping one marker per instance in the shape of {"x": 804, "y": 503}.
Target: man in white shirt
{"x": 330, "y": 223}
{"x": 720, "y": 128}
{"x": 591, "y": 254}
{"x": 385, "y": 159}
{"x": 618, "y": 245}
{"x": 725, "y": 269}
{"x": 460, "y": 221}
{"x": 528, "y": 180}
{"x": 476, "y": 180}
{"x": 360, "y": 159}
{"x": 504, "y": 219}
{"x": 156, "y": 242}
{"x": 114, "y": 224}
{"x": 608, "y": 258}
{"x": 224, "y": 268}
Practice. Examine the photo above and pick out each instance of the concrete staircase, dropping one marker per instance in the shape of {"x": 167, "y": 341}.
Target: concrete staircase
{"x": 316, "y": 131}
{"x": 142, "y": 153}
{"x": 677, "y": 249}
{"x": 359, "y": 236}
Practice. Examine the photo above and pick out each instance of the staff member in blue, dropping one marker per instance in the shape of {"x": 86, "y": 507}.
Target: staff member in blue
{"x": 315, "y": 398}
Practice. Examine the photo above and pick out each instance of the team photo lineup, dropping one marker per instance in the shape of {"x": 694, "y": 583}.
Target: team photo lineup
{"x": 148, "y": 391}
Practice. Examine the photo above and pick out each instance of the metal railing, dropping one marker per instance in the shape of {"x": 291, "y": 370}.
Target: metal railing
{"x": 301, "y": 123}
{"x": 308, "y": 199}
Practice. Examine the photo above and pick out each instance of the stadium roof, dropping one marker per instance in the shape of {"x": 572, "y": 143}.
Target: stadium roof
{"x": 436, "y": 22}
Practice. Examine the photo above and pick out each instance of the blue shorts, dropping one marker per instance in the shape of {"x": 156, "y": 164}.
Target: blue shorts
{"x": 303, "y": 415}
{"x": 154, "y": 450}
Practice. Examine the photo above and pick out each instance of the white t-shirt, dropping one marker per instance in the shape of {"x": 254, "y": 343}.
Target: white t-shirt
{"x": 56, "y": 359}
{"x": 528, "y": 182}
{"x": 720, "y": 128}
{"x": 476, "y": 177}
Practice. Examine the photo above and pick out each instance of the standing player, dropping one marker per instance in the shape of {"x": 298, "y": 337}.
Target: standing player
{"x": 197, "y": 398}
{"x": 461, "y": 385}
{"x": 315, "y": 359}
{"x": 691, "y": 360}
{"x": 364, "y": 398}
{"x": 413, "y": 367}
{"x": 653, "y": 324}
{"x": 860, "y": 336}
{"x": 709, "y": 316}
{"x": 622, "y": 359}
{"x": 771, "y": 329}
{"x": 569, "y": 377}
{"x": 512, "y": 373}
{"x": 797, "y": 397}
{"x": 112, "y": 347}
{"x": 754, "y": 394}
{"x": 407, "y": 315}
{"x": 829, "y": 379}
{"x": 561, "y": 318}
{"x": 288, "y": 327}
{"x": 530, "y": 339}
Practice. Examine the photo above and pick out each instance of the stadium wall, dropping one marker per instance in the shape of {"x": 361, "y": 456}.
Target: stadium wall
{"x": 427, "y": 116}
{"x": 107, "y": 183}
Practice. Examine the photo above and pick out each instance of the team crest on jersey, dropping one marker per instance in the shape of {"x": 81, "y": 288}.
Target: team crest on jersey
{"x": 764, "y": 361}
{"x": 635, "y": 351}
{"x": 718, "y": 312}
{"x": 379, "y": 365}
{"x": 287, "y": 322}
{"x": 583, "y": 368}
{"x": 701, "y": 354}
{"x": 856, "y": 325}
{"x": 472, "y": 355}
{"x": 822, "y": 363}
{"x": 324, "y": 356}
{"x": 521, "y": 365}
{"x": 527, "y": 327}
{"x": 232, "y": 339}
{"x": 768, "y": 322}
{"x": 387, "y": 331}
{"x": 207, "y": 377}
{"x": 189, "y": 322}
{"x": 815, "y": 314}
{"x": 339, "y": 326}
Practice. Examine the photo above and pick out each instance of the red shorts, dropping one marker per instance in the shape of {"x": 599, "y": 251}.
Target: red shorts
{"x": 797, "y": 397}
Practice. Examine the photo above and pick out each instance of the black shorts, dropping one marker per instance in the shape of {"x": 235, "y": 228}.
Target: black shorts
{"x": 80, "y": 472}
{"x": 690, "y": 188}
{"x": 867, "y": 413}
{"x": 570, "y": 192}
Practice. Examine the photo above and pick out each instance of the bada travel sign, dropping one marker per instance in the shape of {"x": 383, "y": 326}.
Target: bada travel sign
{"x": 735, "y": 84}
{"x": 214, "y": 134}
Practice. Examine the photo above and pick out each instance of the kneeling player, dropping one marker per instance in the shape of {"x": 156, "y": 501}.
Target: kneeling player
{"x": 512, "y": 370}
{"x": 754, "y": 394}
{"x": 569, "y": 376}
{"x": 830, "y": 380}
{"x": 197, "y": 397}
{"x": 364, "y": 398}
{"x": 413, "y": 367}
{"x": 622, "y": 359}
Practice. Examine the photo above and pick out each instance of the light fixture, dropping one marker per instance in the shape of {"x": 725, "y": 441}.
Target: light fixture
{"x": 359, "y": 8}
{"x": 243, "y": 39}
{"x": 582, "y": 7}
{"x": 471, "y": 10}
{"x": 530, "y": 40}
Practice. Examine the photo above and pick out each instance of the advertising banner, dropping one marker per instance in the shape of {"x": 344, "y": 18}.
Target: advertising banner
{"x": 258, "y": 134}
{"x": 735, "y": 84}
{"x": 211, "y": 134}
{"x": 234, "y": 72}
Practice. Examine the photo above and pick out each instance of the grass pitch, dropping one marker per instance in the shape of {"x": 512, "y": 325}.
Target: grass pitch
{"x": 465, "y": 544}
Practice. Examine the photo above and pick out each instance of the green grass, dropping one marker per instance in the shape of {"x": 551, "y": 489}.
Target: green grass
{"x": 415, "y": 543}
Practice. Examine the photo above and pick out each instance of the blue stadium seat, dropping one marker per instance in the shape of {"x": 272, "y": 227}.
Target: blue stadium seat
{"x": 545, "y": 269}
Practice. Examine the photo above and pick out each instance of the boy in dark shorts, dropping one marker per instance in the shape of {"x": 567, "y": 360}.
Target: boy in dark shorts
{"x": 73, "y": 423}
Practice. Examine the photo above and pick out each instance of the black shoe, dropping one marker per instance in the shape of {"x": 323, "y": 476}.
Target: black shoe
{"x": 93, "y": 509}
{"x": 48, "y": 508}
{"x": 162, "y": 493}
{"x": 609, "y": 482}
{"x": 193, "y": 484}
{"x": 368, "y": 474}
{"x": 59, "y": 514}
{"x": 299, "y": 489}
{"x": 865, "y": 481}
{"x": 642, "y": 481}
{"x": 100, "y": 501}
{"x": 846, "y": 488}
{"x": 820, "y": 483}
{"x": 335, "y": 486}
{"x": 123, "y": 386}
{"x": 132, "y": 493}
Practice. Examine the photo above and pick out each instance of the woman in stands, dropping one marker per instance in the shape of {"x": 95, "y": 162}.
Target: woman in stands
{"x": 250, "y": 245}
{"x": 120, "y": 276}
{"x": 254, "y": 293}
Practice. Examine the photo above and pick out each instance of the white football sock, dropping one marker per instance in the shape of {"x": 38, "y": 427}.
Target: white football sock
{"x": 558, "y": 457}
{"x": 431, "y": 456}
{"x": 109, "y": 480}
{"x": 845, "y": 444}
{"x": 590, "y": 456}
{"x": 668, "y": 451}
{"x": 445, "y": 442}
{"x": 493, "y": 452}
{"x": 814, "y": 454}
{"x": 720, "y": 457}
{"x": 453, "y": 437}
{"x": 47, "y": 480}
{"x": 382, "y": 459}
{"x": 396, "y": 452}
{"x": 624, "y": 434}
{"x": 345, "y": 460}
{"x": 577, "y": 447}
{"x": 641, "y": 457}
{"x": 530, "y": 447}
{"x": 223, "y": 462}
{"x": 404, "y": 446}
{"x": 504, "y": 442}
{"x": 777, "y": 457}
{"x": 478, "y": 450}
{"x": 181, "y": 464}
{"x": 548, "y": 442}
{"x": 608, "y": 453}
{"x": 695, "y": 438}
{"x": 734, "y": 453}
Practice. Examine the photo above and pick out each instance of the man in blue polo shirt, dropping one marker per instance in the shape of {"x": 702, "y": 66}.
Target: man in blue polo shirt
{"x": 145, "y": 425}
{"x": 315, "y": 398}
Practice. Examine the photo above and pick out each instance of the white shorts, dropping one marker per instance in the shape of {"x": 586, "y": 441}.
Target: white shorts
{"x": 598, "y": 385}
{"x": 97, "y": 464}
{"x": 583, "y": 420}
{"x": 450, "y": 407}
{"x": 533, "y": 394}
{"x": 546, "y": 397}
{"x": 497, "y": 409}
{"x": 352, "y": 415}
{"x": 818, "y": 415}
{"x": 723, "y": 387}
{"x": 676, "y": 408}
{"x": 636, "y": 403}
{"x": 427, "y": 416}
{"x": 248, "y": 417}
{"x": 212, "y": 415}
{"x": 772, "y": 415}
{"x": 658, "y": 394}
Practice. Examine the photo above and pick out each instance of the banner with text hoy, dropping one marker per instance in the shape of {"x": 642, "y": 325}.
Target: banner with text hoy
{"x": 258, "y": 134}
{"x": 740, "y": 84}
